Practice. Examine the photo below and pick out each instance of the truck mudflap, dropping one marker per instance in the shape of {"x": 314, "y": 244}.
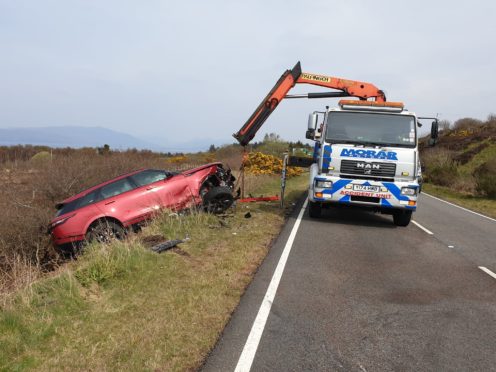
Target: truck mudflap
{"x": 373, "y": 193}
{"x": 269, "y": 104}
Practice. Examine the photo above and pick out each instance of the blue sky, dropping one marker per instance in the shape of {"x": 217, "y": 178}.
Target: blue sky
{"x": 175, "y": 72}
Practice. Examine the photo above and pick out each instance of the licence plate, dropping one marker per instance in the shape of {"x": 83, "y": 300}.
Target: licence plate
{"x": 366, "y": 188}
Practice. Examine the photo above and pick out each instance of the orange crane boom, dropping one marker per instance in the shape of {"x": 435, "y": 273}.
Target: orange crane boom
{"x": 347, "y": 88}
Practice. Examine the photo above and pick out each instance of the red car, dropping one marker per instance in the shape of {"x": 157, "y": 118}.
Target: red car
{"x": 107, "y": 210}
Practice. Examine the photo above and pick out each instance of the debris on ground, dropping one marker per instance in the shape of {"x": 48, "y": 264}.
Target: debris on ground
{"x": 248, "y": 215}
{"x": 161, "y": 247}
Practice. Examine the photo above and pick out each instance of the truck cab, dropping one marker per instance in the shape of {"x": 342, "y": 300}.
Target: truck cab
{"x": 366, "y": 155}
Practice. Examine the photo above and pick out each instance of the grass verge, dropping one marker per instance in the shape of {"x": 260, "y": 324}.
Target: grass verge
{"x": 121, "y": 306}
{"x": 476, "y": 203}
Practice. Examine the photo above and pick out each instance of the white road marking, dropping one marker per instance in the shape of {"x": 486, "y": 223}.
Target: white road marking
{"x": 423, "y": 228}
{"x": 487, "y": 271}
{"x": 248, "y": 354}
{"x": 465, "y": 209}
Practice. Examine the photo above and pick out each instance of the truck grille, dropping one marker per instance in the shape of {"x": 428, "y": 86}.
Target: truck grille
{"x": 374, "y": 169}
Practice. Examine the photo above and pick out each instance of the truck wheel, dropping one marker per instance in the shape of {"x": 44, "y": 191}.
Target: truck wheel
{"x": 218, "y": 199}
{"x": 402, "y": 218}
{"x": 314, "y": 209}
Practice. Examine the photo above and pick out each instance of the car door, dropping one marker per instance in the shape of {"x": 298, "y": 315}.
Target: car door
{"x": 164, "y": 188}
{"x": 152, "y": 184}
{"x": 126, "y": 202}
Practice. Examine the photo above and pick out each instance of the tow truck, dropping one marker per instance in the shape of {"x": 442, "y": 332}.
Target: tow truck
{"x": 366, "y": 150}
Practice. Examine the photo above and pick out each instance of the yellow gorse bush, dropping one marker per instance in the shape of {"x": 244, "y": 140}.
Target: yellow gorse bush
{"x": 259, "y": 163}
{"x": 178, "y": 159}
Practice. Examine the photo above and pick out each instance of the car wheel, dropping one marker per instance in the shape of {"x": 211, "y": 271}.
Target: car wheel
{"x": 402, "y": 218}
{"x": 218, "y": 199}
{"x": 104, "y": 231}
{"x": 314, "y": 209}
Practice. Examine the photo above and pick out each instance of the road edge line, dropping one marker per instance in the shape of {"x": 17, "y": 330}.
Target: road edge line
{"x": 455, "y": 205}
{"x": 422, "y": 227}
{"x": 248, "y": 354}
{"x": 487, "y": 271}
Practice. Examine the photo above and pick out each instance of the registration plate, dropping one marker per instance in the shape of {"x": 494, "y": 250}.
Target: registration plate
{"x": 366, "y": 188}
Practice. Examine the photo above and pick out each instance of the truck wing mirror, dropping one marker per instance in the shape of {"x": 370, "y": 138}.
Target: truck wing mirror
{"x": 312, "y": 125}
{"x": 434, "y": 132}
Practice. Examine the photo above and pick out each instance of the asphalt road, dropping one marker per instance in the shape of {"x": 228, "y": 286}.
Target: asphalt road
{"x": 359, "y": 294}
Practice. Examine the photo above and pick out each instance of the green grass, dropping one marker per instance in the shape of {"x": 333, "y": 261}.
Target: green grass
{"x": 480, "y": 158}
{"x": 476, "y": 203}
{"x": 122, "y": 306}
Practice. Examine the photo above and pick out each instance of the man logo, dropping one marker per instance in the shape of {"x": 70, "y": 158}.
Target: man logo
{"x": 368, "y": 166}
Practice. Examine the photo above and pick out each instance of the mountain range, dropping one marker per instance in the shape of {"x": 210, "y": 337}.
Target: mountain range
{"x": 76, "y": 137}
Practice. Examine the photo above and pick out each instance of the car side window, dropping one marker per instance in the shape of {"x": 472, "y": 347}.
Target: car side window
{"x": 148, "y": 176}
{"x": 88, "y": 199}
{"x": 115, "y": 188}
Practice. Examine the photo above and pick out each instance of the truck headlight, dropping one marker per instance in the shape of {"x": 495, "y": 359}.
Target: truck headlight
{"x": 408, "y": 191}
{"x": 323, "y": 184}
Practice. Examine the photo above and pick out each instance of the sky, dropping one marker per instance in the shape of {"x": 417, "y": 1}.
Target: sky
{"x": 186, "y": 72}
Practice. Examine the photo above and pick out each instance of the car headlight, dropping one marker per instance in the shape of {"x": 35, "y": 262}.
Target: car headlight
{"x": 408, "y": 191}
{"x": 323, "y": 184}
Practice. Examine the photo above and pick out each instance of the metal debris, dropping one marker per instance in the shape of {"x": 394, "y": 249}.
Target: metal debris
{"x": 159, "y": 248}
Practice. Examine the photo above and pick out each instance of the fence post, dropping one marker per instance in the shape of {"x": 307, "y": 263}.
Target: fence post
{"x": 283, "y": 177}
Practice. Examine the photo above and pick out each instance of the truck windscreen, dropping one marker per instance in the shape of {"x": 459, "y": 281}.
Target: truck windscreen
{"x": 371, "y": 129}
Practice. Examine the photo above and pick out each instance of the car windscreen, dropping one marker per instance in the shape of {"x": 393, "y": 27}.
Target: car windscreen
{"x": 371, "y": 129}
{"x": 148, "y": 176}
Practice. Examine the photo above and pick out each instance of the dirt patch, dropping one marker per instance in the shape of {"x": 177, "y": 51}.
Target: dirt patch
{"x": 152, "y": 240}
{"x": 180, "y": 252}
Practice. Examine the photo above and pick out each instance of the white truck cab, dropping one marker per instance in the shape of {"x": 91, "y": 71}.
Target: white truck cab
{"x": 366, "y": 155}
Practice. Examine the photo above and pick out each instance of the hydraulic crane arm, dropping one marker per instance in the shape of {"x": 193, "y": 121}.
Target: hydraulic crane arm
{"x": 347, "y": 88}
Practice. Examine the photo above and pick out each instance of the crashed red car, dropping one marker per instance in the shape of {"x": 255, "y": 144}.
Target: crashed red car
{"x": 107, "y": 210}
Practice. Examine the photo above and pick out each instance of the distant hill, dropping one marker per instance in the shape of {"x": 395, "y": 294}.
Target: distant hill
{"x": 74, "y": 137}
{"x": 464, "y": 158}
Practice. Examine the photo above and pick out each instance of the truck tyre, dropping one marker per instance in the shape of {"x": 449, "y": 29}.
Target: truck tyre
{"x": 314, "y": 209}
{"x": 402, "y": 218}
{"x": 218, "y": 199}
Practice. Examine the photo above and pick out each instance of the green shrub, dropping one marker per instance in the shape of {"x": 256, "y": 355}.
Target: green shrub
{"x": 485, "y": 178}
{"x": 439, "y": 167}
{"x": 41, "y": 156}
{"x": 443, "y": 175}
{"x": 467, "y": 124}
